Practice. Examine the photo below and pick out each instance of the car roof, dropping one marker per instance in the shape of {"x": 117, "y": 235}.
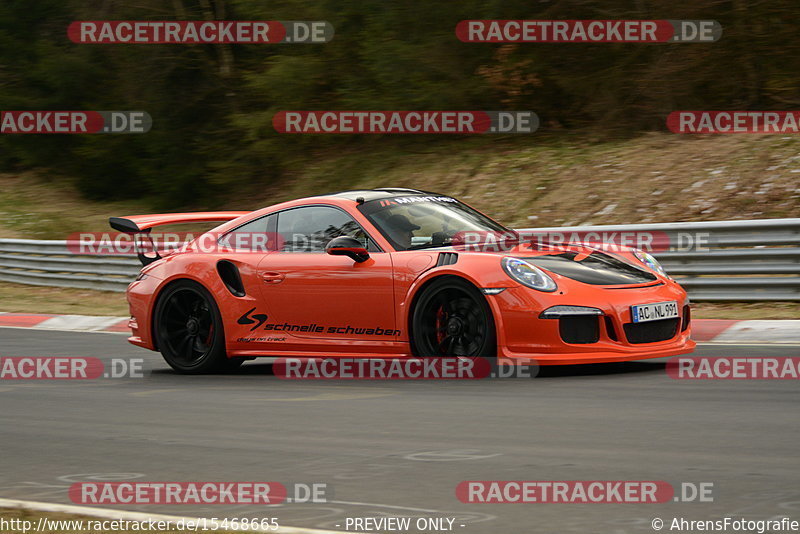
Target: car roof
{"x": 376, "y": 194}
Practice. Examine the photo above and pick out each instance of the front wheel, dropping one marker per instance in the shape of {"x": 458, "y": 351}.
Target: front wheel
{"x": 452, "y": 318}
{"x": 189, "y": 330}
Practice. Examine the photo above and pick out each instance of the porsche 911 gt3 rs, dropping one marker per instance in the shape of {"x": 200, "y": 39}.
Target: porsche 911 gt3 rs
{"x": 393, "y": 273}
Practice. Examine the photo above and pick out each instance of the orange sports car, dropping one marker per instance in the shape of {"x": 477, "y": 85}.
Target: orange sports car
{"x": 394, "y": 272}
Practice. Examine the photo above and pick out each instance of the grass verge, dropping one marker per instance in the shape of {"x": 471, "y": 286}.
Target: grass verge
{"x": 21, "y": 298}
{"x": 523, "y": 182}
{"x": 746, "y": 310}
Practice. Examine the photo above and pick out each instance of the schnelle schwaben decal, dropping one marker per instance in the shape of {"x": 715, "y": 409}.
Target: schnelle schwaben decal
{"x": 249, "y": 317}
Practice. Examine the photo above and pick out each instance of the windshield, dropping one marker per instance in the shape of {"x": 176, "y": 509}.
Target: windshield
{"x": 416, "y": 222}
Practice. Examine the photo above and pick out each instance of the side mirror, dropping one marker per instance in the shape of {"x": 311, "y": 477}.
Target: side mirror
{"x": 347, "y": 246}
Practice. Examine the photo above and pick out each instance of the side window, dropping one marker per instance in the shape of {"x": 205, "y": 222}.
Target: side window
{"x": 309, "y": 229}
{"x": 256, "y": 236}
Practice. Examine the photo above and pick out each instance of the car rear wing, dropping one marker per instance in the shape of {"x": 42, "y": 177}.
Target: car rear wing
{"x": 135, "y": 224}
{"x": 142, "y": 224}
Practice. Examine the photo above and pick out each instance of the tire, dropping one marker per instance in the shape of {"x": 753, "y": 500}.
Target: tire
{"x": 189, "y": 330}
{"x": 452, "y": 318}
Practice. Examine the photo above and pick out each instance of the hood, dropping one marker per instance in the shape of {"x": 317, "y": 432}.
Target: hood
{"x": 596, "y": 268}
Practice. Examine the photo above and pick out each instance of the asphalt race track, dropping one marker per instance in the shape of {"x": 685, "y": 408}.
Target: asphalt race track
{"x": 399, "y": 448}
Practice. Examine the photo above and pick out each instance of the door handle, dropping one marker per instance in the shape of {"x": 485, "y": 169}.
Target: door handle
{"x": 271, "y": 277}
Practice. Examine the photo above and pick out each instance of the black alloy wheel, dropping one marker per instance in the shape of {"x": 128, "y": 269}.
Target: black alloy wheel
{"x": 452, "y": 318}
{"x": 189, "y": 330}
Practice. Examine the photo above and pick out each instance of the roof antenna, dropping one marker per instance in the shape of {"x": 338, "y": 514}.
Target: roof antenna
{"x": 359, "y": 200}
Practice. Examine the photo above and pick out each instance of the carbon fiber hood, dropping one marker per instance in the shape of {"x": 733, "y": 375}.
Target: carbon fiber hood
{"x": 597, "y": 268}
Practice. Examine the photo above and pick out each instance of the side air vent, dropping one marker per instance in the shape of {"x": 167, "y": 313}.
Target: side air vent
{"x": 229, "y": 274}
{"x": 446, "y": 258}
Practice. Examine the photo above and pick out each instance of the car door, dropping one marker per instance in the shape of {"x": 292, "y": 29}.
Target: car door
{"x": 314, "y": 295}
{"x": 239, "y": 254}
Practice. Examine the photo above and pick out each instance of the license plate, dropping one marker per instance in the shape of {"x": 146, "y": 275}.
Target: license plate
{"x": 642, "y": 313}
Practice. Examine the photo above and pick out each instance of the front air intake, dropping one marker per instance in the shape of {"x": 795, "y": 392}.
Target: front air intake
{"x": 579, "y": 329}
{"x": 651, "y": 331}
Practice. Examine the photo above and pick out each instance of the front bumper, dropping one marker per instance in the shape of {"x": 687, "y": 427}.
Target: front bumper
{"x": 524, "y": 335}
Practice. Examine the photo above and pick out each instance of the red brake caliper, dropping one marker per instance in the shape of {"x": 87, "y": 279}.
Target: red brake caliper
{"x": 441, "y": 322}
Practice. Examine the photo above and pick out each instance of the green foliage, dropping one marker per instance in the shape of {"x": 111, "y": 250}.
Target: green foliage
{"x": 212, "y": 105}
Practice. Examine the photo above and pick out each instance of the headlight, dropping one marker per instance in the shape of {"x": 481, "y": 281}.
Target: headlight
{"x": 528, "y": 275}
{"x": 649, "y": 260}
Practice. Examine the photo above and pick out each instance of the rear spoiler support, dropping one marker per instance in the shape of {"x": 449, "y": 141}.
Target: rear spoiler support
{"x": 142, "y": 224}
{"x": 129, "y": 227}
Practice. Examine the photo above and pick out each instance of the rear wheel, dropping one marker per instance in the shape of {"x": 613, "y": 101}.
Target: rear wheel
{"x": 452, "y": 318}
{"x": 189, "y": 330}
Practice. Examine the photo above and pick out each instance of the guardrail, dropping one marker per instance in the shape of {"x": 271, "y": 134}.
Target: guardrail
{"x": 757, "y": 260}
{"x": 51, "y": 263}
